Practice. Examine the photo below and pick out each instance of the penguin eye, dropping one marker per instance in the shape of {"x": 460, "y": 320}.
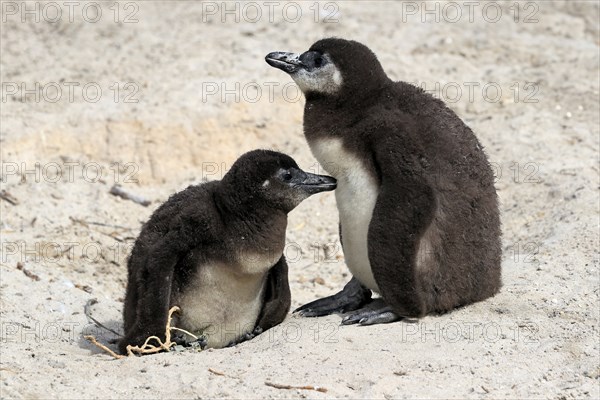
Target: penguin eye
{"x": 318, "y": 62}
{"x": 287, "y": 177}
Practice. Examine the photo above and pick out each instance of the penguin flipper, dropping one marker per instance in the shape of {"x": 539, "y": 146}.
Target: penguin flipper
{"x": 277, "y": 297}
{"x": 352, "y": 297}
{"x": 153, "y": 284}
{"x": 404, "y": 209}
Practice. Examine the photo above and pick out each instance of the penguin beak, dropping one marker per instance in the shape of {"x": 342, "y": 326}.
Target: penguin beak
{"x": 287, "y": 62}
{"x": 312, "y": 183}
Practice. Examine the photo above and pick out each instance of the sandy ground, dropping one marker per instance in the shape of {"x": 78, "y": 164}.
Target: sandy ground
{"x": 184, "y": 90}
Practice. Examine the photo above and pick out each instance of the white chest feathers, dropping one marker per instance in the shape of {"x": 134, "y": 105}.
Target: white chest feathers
{"x": 222, "y": 302}
{"x": 355, "y": 195}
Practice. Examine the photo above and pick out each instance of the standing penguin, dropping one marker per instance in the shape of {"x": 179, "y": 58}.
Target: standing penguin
{"x": 216, "y": 251}
{"x": 419, "y": 219}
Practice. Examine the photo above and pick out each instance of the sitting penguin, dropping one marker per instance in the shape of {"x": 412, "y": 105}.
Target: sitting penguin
{"x": 216, "y": 251}
{"x": 419, "y": 219}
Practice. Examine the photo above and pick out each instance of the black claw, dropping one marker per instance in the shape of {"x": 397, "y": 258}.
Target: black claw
{"x": 247, "y": 336}
{"x": 242, "y": 339}
{"x": 350, "y": 320}
{"x": 301, "y": 308}
{"x": 371, "y": 317}
{"x": 201, "y": 342}
{"x": 299, "y": 311}
{"x": 357, "y": 317}
{"x": 320, "y": 312}
{"x": 307, "y": 307}
{"x": 180, "y": 339}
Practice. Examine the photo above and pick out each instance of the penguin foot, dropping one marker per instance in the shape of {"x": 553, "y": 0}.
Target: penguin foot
{"x": 180, "y": 339}
{"x": 371, "y": 317}
{"x": 201, "y": 343}
{"x": 352, "y": 297}
{"x": 246, "y": 336}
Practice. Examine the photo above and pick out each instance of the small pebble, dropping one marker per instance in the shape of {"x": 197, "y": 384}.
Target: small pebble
{"x": 68, "y": 283}
{"x": 319, "y": 280}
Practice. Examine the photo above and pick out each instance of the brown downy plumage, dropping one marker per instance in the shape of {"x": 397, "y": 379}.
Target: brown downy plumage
{"x": 428, "y": 235}
{"x": 216, "y": 251}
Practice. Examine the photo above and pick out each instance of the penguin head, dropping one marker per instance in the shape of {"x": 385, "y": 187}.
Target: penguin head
{"x": 274, "y": 180}
{"x": 332, "y": 67}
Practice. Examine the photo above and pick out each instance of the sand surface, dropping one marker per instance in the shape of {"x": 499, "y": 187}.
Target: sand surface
{"x": 184, "y": 90}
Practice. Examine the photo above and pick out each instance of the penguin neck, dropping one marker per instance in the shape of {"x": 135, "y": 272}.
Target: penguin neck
{"x": 328, "y": 116}
{"x": 249, "y": 216}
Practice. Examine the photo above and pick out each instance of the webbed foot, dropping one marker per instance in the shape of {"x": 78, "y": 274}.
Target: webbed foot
{"x": 246, "y": 336}
{"x": 353, "y": 296}
{"x": 371, "y": 317}
{"x": 180, "y": 339}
